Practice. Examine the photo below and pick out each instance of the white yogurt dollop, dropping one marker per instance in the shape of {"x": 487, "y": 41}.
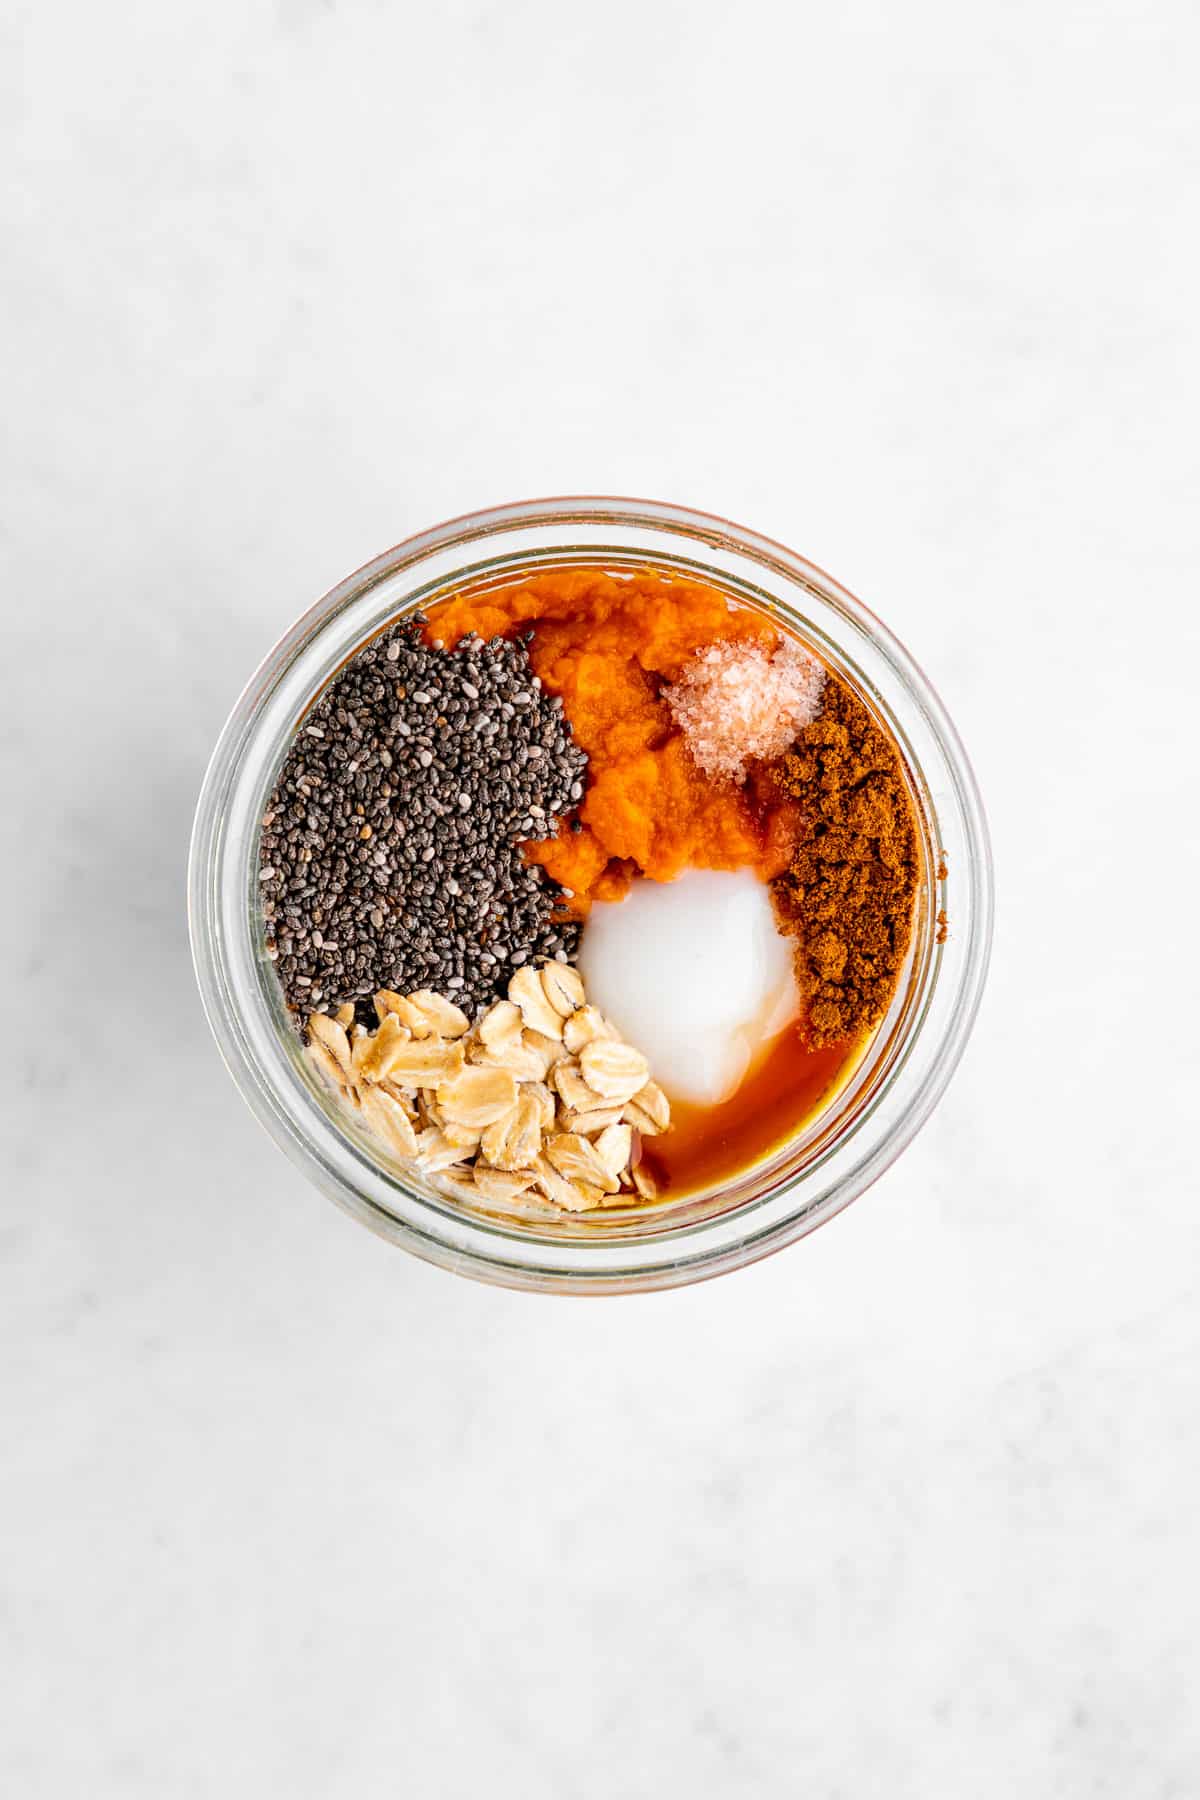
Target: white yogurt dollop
{"x": 695, "y": 973}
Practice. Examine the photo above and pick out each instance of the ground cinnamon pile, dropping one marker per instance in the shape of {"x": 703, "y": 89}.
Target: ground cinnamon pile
{"x": 848, "y": 893}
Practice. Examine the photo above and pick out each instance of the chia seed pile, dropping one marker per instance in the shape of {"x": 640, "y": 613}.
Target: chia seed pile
{"x": 390, "y": 848}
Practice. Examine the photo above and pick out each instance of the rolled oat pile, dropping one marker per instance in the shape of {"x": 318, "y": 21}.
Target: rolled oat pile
{"x": 540, "y": 1098}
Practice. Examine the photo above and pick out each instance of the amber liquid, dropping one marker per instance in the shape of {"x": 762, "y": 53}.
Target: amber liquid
{"x": 707, "y": 1144}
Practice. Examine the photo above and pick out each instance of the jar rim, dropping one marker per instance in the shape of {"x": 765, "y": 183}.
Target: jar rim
{"x": 680, "y": 1247}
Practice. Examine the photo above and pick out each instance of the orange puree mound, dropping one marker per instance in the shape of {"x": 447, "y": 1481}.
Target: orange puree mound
{"x": 608, "y": 644}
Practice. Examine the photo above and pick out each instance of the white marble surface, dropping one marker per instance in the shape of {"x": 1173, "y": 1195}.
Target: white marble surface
{"x": 909, "y": 1511}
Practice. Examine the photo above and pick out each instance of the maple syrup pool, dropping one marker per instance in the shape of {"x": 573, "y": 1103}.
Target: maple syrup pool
{"x": 792, "y": 1085}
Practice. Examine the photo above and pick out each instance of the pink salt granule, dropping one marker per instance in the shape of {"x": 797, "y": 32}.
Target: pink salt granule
{"x": 738, "y": 703}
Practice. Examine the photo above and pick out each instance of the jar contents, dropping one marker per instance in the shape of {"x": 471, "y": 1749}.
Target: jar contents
{"x": 624, "y": 780}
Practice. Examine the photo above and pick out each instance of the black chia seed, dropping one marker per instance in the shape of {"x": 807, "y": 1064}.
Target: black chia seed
{"x": 390, "y": 847}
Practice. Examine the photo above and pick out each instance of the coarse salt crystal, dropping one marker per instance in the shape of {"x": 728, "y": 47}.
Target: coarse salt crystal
{"x": 738, "y": 703}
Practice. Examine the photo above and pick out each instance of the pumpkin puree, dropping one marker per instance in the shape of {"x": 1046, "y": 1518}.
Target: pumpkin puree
{"x": 608, "y": 644}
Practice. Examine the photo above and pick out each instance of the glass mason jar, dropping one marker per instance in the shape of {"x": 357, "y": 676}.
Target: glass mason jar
{"x": 805, "y": 1181}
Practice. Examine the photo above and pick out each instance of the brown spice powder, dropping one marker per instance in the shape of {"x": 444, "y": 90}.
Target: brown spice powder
{"x": 848, "y": 893}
